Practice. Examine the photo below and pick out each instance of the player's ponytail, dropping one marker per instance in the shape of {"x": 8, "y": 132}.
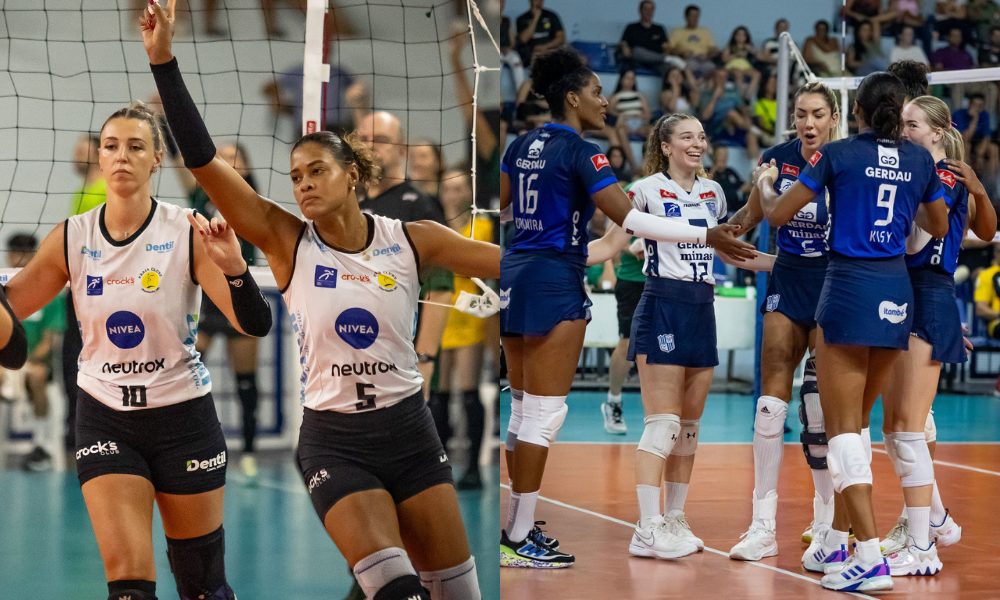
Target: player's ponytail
{"x": 880, "y": 98}
{"x": 938, "y": 116}
{"x": 346, "y": 150}
{"x": 556, "y": 73}
{"x": 654, "y": 160}
{"x": 138, "y": 110}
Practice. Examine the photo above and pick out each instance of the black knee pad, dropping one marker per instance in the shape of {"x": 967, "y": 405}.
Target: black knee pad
{"x": 811, "y": 439}
{"x": 131, "y": 589}
{"x": 199, "y": 567}
{"x": 406, "y": 587}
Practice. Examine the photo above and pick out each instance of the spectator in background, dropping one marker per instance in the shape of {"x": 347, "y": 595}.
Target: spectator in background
{"x": 982, "y": 152}
{"x": 511, "y": 59}
{"x": 679, "y": 92}
{"x": 693, "y": 43}
{"x": 987, "y": 298}
{"x": 865, "y": 54}
{"x": 908, "y": 13}
{"x": 768, "y": 52}
{"x": 821, "y": 52}
{"x": 858, "y": 11}
{"x": 343, "y": 94}
{"x": 950, "y": 14}
{"x": 982, "y": 15}
{"x": 723, "y": 112}
{"x": 425, "y": 166}
{"x": 952, "y": 57}
{"x": 538, "y": 30}
{"x": 765, "y": 112}
{"x": 532, "y": 110}
{"x": 732, "y": 185}
{"x": 644, "y": 43}
{"x": 736, "y": 56}
{"x": 631, "y": 110}
{"x": 989, "y": 52}
{"x": 620, "y": 163}
{"x": 905, "y": 50}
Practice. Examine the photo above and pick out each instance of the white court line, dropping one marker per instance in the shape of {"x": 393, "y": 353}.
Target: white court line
{"x": 712, "y": 550}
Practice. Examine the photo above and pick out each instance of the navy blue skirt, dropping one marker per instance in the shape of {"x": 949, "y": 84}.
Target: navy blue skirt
{"x": 539, "y": 290}
{"x": 674, "y": 324}
{"x": 866, "y": 302}
{"x": 794, "y": 286}
{"x": 936, "y": 319}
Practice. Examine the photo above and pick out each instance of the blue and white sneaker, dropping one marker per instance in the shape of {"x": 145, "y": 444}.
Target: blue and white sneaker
{"x": 537, "y": 535}
{"x": 529, "y": 554}
{"x": 826, "y": 559}
{"x": 855, "y": 578}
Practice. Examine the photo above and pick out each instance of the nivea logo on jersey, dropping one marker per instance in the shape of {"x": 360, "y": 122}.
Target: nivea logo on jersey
{"x": 125, "y": 329}
{"x": 892, "y": 312}
{"x": 671, "y": 209}
{"x": 600, "y": 161}
{"x": 666, "y": 194}
{"x": 666, "y": 342}
{"x": 790, "y": 170}
{"x": 772, "y": 302}
{"x": 394, "y": 249}
{"x": 888, "y": 157}
{"x": 91, "y": 254}
{"x": 815, "y": 158}
{"x": 947, "y": 177}
{"x": 890, "y": 174}
{"x": 95, "y": 285}
{"x": 326, "y": 277}
{"x": 219, "y": 462}
{"x": 357, "y": 327}
{"x": 535, "y": 149}
{"x": 160, "y": 248}
{"x": 135, "y": 366}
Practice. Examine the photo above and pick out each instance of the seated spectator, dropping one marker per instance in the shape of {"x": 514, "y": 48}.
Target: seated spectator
{"x": 736, "y": 56}
{"x": 620, "y": 163}
{"x": 532, "y": 110}
{"x": 694, "y": 44}
{"x": 989, "y": 52}
{"x": 644, "y": 43}
{"x": 908, "y": 13}
{"x": 679, "y": 92}
{"x": 631, "y": 110}
{"x": 952, "y": 57}
{"x": 865, "y": 54}
{"x": 905, "y": 50}
{"x": 732, "y": 185}
{"x": 987, "y": 295}
{"x": 950, "y": 14}
{"x": 859, "y": 11}
{"x": 767, "y": 54}
{"x": 723, "y": 112}
{"x": 425, "y": 166}
{"x": 510, "y": 58}
{"x": 981, "y": 151}
{"x": 538, "y": 30}
{"x": 765, "y": 112}
{"x": 822, "y": 52}
{"x": 982, "y": 16}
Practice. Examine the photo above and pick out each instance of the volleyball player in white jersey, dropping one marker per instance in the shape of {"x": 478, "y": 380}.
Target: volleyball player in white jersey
{"x": 673, "y": 338}
{"x": 370, "y": 456}
{"x": 146, "y": 427}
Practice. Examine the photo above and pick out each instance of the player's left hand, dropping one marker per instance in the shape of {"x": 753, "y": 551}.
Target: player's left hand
{"x": 968, "y": 345}
{"x": 220, "y": 242}
{"x": 964, "y": 173}
{"x": 759, "y": 171}
{"x": 482, "y": 306}
{"x": 157, "y": 31}
{"x": 638, "y": 248}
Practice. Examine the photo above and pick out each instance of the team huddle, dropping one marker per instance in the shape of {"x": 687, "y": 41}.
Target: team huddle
{"x": 869, "y": 230}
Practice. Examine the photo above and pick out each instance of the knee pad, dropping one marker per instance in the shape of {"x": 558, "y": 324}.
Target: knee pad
{"x": 199, "y": 567}
{"x": 687, "y": 440}
{"x": 516, "y": 416}
{"x": 389, "y": 575}
{"x": 770, "y": 419}
{"x": 132, "y": 589}
{"x": 456, "y": 583}
{"x": 660, "y": 434}
{"x": 912, "y": 459}
{"x": 930, "y": 428}
{"x": 847, "y": 463}
{"x": 542, "y": 417}
{"x": 813, "y": 436}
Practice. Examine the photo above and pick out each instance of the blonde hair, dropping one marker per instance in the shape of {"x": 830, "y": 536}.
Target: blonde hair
{"x": 654, "y": 161}
{"x": 939, "y": 117}
{"x": 139, "y": 110}
{"x": 832, "y": 102}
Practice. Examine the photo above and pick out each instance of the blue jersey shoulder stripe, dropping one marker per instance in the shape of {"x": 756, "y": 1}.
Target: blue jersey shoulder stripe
{"x": 600, "y": 185}
{"x": 810, "y": 183}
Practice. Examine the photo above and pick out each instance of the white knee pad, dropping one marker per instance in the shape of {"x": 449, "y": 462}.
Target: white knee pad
{"x": 542, "y": 417}
{"x": 912, "y": 459}
{"x": 770, "y": 419}
{"x": 516, "y": 416}
{"x": 660, "y": 434}
{"x": 456, "y": 583}
{"x": 687, "y": 439}
{"x": 847, "y": 462}
{"x": 930, "y": 429}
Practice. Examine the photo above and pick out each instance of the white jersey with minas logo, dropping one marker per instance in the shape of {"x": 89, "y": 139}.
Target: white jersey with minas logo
{"x": 354, "y": 315}
{"x": 704, "y": 206}
{"x": 137, "y": 306}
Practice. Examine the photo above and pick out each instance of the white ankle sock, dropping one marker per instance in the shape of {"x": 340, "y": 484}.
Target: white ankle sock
{"x": 938, "y": 513}
{"x": 523, "y": 508}
{"x": 40, "y": 431}
{"x": 649, "y": 503}
{"x": 836, "y": 539}
{"x": 614, "y": 398}
{"x": 868, "y": 553}
{"x": 675, "y": 495}
{"x": 919, "y": 518}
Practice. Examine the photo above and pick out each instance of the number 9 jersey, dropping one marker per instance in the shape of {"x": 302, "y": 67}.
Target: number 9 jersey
{"x": 704, "y": 206}
{"x": 875, "y": 187}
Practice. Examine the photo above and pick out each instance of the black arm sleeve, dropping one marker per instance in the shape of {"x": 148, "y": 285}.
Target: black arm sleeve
{"x": 185, "y": 122}
{"x": 253, "y": 313}
{"x": 15, "y": 353}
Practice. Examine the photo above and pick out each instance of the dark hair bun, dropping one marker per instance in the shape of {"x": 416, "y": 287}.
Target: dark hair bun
{"x": 549, "y": 67}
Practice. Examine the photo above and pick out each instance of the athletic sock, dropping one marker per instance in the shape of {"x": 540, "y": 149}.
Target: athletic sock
{"x": 768, "y": 444}
{"x": 614, "y": 398}
{"x": 246, "y": 389}
{"x": 823, "y": 483}
{"x": 515, "y": 498}
{"x": 675, "y": 495}
{"x": 919, "y": 524}
{"x": 868, "y": 553}
{"x": 904, "y": 513}
{"x": 40, "y": 431}
{"x": 837, "y": 538}
{"x": 938, "y": 513}
{"x": 649, "y": 503}
{"x": 523, "y": 508}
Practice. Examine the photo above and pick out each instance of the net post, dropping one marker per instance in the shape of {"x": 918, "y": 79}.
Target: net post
{"x": 784, "y": 74}
{"x": 315, "y": 72}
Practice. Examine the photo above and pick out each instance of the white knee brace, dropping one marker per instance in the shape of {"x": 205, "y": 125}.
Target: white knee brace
{"x": 660, "y": 434}
{"x": 930, "y": 429}
{"x": 456, "y": 583}
{"x": 912, "y": 459}
{"x": 516, "y": 416}
{"x": 542, "y": 417}
{"x": 770, "y": 419}
{"x": 847, "y": 462}
{"x": 687, "y": 439}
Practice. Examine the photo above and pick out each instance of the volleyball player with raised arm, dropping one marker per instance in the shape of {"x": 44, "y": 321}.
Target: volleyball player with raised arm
{"x": 936, "y": 339}
{"x": 146, "y": 427}
{"x": 790, "y": 328}
{"x": 875, "y": 181}
{"x": 551, "y": 181}
{"x": 370, "y": 456}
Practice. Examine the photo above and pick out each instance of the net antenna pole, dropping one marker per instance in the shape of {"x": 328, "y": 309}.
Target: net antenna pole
{"x": 473, "y": 9}
{"x": 843, "y": 71}
{"x": 784, "y": 75}
{"x": 315, "y": 71}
